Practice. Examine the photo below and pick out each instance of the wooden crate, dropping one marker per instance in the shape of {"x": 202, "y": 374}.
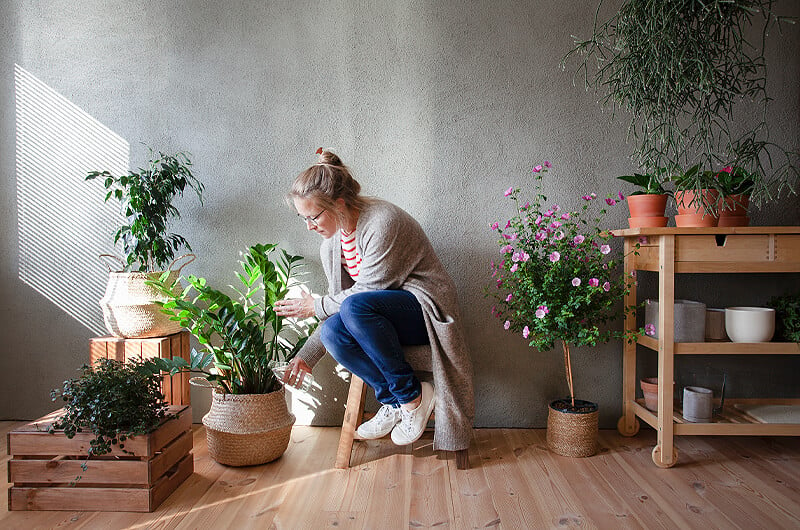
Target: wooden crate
{"x": 176, "y": 387}
{"x": 42, "y": 466}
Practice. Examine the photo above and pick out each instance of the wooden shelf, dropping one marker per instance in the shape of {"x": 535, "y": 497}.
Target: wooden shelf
{"x": 726, "y": 348}
{"x": 671, "y": 251}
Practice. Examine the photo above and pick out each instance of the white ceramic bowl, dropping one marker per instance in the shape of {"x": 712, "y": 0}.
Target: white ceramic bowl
{"x": 750, "y": 324}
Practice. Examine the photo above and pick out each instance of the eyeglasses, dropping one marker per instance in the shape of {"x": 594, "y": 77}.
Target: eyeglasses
{"x": 312, "y": 220}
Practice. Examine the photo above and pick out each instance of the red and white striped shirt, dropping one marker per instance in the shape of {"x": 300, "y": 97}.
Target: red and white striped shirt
{"x": 351, "y": 258}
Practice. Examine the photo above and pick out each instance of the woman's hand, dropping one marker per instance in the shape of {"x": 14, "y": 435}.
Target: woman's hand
{"x": 296, "y": 372}
{"x": 296, "y": 307}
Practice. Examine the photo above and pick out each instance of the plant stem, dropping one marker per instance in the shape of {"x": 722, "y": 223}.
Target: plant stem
{"x": 568, "y": 366}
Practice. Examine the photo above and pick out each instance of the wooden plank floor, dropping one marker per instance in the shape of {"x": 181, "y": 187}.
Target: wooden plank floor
{"x": 514, "y": 482}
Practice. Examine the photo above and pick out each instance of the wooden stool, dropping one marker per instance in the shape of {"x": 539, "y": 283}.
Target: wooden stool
{"x": 419, "y": 357}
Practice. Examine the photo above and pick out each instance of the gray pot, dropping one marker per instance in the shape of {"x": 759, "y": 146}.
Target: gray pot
{"x": 698, "y": 406}
{"x": 689, "y": 317}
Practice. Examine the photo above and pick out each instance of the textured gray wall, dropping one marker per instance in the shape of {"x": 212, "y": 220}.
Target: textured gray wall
{"x": 437, "y": 106}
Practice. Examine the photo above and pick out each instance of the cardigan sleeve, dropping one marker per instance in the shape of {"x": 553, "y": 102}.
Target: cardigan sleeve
{"x": 389, "y": 244}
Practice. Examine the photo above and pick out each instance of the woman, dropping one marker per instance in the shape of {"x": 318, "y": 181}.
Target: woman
{"x": 386, "y": 289}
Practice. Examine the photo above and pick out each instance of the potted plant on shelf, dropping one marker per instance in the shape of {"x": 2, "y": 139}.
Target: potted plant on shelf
{"x": 684, "y": 72}
{"x": 696, "y": 197}
{"x": 556, "y": 281}
{"x": 242, "y": 339}
{"x": 787, "y": 316}
{"x": 736, "y": 184}
{"x": 145, "y": 198}
{"x": 648, "y": 204}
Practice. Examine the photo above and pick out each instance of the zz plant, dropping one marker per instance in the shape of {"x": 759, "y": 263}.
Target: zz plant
{"x": 145, "y": 200}
{"x": 242, "y": 336}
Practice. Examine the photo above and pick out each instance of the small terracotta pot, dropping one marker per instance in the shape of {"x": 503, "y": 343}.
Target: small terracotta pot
{"x": 647, "y": 205}
{"x": 734, "y": 211}
{"x": 647, "y": 222}
{"x": 695, "y": 219}
{"x": 650, "y": 392}
{"x": 686, "y": 202}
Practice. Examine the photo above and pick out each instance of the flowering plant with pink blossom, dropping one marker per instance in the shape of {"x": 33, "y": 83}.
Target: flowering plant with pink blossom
{"x": 556, "y": 278}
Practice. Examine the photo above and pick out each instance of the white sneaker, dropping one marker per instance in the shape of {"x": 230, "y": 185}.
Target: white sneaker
{"x": 412, "y": 422}
{"x": 381, "y": 424}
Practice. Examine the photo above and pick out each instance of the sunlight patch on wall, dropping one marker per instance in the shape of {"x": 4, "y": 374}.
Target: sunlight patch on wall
{"x": 63, "y": 222}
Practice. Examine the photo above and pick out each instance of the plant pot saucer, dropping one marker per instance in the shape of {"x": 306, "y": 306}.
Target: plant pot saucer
{"x": 645, "y": 222}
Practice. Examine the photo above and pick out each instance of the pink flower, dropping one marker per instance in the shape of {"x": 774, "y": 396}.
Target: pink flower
{"x": 587, "y": 197}
{"x": 538, "y": 220}
{"x": 576, "y": 281}
{"x": 605, "y": 249}
{"x": 495, "y": 226}
{"x": 556, "y": 208}
{"x": 727, "y": 169}
{"x": 508, "y": 224}
{"x": 650, "y": 329}
{"x": 578, "y": 239}
{"x": 554, "y": 256}
{"x": 508, "y": 298}
{"x": 540, "y": 236}
{"x": 633, "y": 274}
{"x": 509, "y": 191}
{"x": 548, "y": 213}
{"x": 526, "y": 332}
{"x": 558, "y": 235}
{"x": 506, "y": 324}
{"x": 610, "y": 201}
{"x": 537, "y": 169}
{"x": 541, "y": 311}
{"x": 514, "y": 267}
{"x": 506, "y": 249}
{"x": 526, "y": 205}
{"x": 642, "y": 240}
{"x": 555, "y": 224}
{"x": 621, "y": 196}
{"x": 606, "y": 286}
{"x": 594, "y": 282}
{"x": 547, "y": 164}
{"x": 565, "y": 216}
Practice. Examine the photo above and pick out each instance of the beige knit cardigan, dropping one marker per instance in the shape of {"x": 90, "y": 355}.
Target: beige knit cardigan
{"x": 396, "y": 254}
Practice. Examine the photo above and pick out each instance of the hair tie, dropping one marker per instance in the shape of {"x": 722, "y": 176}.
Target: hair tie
{"x": 319, "y": 151}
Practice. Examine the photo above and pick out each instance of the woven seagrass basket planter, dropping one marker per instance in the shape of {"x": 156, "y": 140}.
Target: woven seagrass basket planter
{"x": 248, "y": 429}
{"x": 572, "y": 431}
{"x": 129, "y": 308}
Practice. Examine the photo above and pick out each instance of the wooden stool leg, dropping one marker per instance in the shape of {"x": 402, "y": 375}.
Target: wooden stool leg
{"x": 353, "y": 412}
{"x": 462, "y": 459}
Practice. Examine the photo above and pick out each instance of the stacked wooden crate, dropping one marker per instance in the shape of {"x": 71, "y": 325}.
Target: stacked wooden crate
{"x": 49, "y": 471}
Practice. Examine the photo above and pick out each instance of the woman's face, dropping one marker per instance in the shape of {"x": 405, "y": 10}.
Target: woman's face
{"x": 318, "y": 219}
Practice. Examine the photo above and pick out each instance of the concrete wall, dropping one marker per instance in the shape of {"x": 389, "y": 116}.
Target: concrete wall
{"x": 437, "y": 106}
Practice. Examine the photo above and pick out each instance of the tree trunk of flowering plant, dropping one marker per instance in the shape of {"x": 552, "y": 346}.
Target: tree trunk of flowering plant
{"x": 568, "y": 369}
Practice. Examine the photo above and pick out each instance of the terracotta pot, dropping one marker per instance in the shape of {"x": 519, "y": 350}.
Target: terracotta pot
{"x": 647, "y": 205}
{"x": 734, "y": 211}
{"x": 695, "y": 219}
{"x": 647, "y": 222}
{"x": 650, "y": 392}
{"x": 687, "y": 202}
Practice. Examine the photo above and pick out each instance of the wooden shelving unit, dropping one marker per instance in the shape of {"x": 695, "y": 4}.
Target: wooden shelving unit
{"x": 671, "y": 251}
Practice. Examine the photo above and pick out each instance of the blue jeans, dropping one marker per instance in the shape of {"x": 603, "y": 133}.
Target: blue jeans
{"x": 366, "y": 337}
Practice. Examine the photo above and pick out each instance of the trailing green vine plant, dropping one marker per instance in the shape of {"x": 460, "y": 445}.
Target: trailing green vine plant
{"x": 681, "y": 69}
{"x": 112, "y": 400}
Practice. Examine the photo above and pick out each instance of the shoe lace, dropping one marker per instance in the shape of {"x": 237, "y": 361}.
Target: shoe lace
{"x": 385, "y": 412}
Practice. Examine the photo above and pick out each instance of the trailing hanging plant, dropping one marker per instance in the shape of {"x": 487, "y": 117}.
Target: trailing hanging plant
{"x": 146, "y": 201}
{"x": 680, "y": 68}
{"x": 113, "y": 401}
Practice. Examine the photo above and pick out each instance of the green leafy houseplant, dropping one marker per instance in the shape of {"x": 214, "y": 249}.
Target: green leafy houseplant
{"x": 680, "y": 68}
{"x": 242, "y": 336}
{"x": 114, "y": 401}
{"x": 735, "y": 181}
{"x": 146, "y": 201}
{"x": 787, "y": 316}
{"x": 556, "y": 280}
{"x": 648, "y": 183}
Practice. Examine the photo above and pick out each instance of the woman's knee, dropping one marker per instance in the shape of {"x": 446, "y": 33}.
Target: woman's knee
{"x": 332, "y": 333}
